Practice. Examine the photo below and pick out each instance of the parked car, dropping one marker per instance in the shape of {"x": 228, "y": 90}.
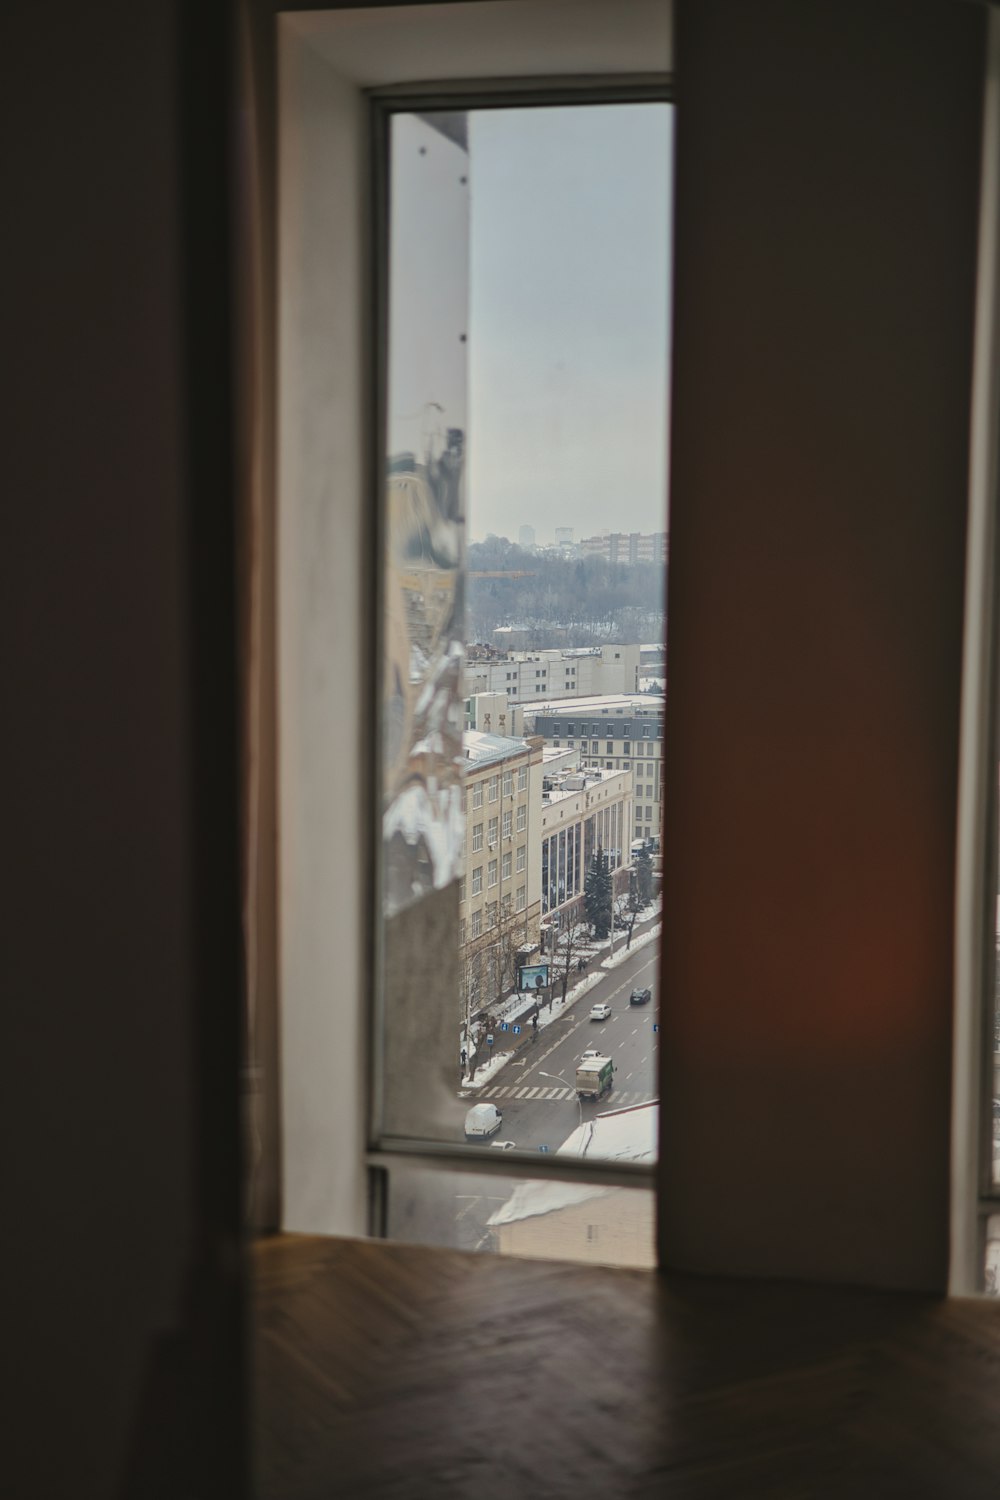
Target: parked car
{"x": 601, "y": 1011}
{"x": 481, "y": 1121}
{"x": 640, "y": 997}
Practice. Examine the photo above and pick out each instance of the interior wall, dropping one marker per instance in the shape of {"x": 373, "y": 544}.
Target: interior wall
{"x": 827, "y": 175}
{"x": 120, "y": 948}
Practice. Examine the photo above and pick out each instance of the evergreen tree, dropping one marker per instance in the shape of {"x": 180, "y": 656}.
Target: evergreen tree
{"x": 644, "y": 877}
{"x": 597, "y": 895}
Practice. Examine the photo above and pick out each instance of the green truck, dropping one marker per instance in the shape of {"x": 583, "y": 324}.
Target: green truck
{"x": 594, "y": 1077}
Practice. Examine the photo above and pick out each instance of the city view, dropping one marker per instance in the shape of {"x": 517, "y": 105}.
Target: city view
{"x": 524, "y": 678}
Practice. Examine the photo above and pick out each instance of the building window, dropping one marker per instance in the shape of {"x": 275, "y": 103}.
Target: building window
{"x": 626, "y": 765}
{"x": 522, "y": 818}
{"x": 494, "y": 788}
{"x": 522, "y": 857}
{"x": 522, "y": 778}
{"x": 520, "y": 901}
{"x": 508, "y": 783}
{"x": 477, "y": 795}
{"x": 461, "y": 889}
{"x": 610, "y": 747}
{"x": 476, "y": 924}
{"x": 491, "y": 915}
{"x": 477, "y": 880}
{"x": 594, "y": 747}
{"x": 505, "y": 866}
{"x": 491, "y": 873}
{"x": 494, "y": 831}
{"x": 508, "y": 819}
{"x": 477, "y": 837}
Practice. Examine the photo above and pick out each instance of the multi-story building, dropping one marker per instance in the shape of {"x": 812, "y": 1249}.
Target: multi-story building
{"x": 627, "y": 547}
{"x": 493, "y": 713}
{"x": 620, "y": 732}
{"x": 534, "y": 676}
{"x": 500, "y": 891}
{"x": 583, "y": 810}
{"x": 526, "y": 538}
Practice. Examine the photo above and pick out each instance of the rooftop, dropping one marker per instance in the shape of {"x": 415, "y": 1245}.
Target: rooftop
{"x": 482, "y": 748}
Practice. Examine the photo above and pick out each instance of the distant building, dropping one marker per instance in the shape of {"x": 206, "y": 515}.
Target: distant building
{"x": 530, "y": 677}
{"x": 564, "y": 536}
{"x": 627, "y": 547}
{"x": 493, "y": 713}
{"x": 617, "y": 732}
{"x": 526, "y": 537}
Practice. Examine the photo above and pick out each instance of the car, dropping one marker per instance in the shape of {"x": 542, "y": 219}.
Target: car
{"x": 503, "y": 1145}
{"x": 591, "y": 1052}
{"x": 640, "y": 997}
{"x": 481, "y": 1121}
{"x": 601, "y": 1011}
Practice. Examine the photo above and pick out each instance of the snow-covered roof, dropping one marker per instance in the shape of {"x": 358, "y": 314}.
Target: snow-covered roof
{"x": 629, "y": 1134}
{"x": 481, "y": 747}
{"x": 612, "y": 703}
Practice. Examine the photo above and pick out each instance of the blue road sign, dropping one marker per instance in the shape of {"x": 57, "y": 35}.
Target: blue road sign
{"x": 656, "y": 1025}
{"x": 543, "y": 1148}
{"x": 517, "y": 1031}
{"x": 505, "y": 1027}
{"x": 489, "y": 1040}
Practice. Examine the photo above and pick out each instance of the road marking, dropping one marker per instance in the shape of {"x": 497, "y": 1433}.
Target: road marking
{"x": 521, "y": 1093}
{"x": 531, "y": 1093}
{"x": 643, "y": 1060}
{"x": 636, "y": 1031}
{"x": 627, "y": 1077}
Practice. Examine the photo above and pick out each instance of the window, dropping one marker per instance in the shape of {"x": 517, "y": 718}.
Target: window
{"x": 491, "y": 873}
{"x": 522, "y": 857}
{"x": 477, "y": 794}
{"x": 505, "y": 865}
{"x": 477, "y": 838}
{"x": 494, "y": 832}
{"x": 505, "y": 906}
{"x": 594, "y": 747}
{"x": 522, "y": 818}
{"x": 521, "y": 899}
{"x": 477, "y": 880}
{"x": 522, "y": 778}
{"x": 491, "y": 915}
{"x": 494, "y": 788}
{"x": 461, "y": 889}
{"x": 610, "y": 747}
{"x": 508, "y": 783}
{"x": 476, "y": 924}
{"x": 508, "y": 819}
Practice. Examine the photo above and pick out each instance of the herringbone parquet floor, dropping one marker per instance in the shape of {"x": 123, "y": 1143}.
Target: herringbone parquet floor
{"x": 395, "y": 1371}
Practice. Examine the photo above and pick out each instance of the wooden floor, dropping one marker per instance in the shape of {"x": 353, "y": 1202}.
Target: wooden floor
{"x": 394, "y": 1371}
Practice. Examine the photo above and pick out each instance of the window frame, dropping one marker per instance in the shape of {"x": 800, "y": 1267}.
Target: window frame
{"x": 658, "y": 88}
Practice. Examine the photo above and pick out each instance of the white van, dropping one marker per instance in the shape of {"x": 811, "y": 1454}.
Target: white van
{"x": 482, "y": 1120}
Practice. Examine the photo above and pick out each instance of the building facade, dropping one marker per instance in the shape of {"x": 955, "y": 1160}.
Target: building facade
{"x": 532, "y": 676}
{"x": 500, "y": 891}
{"x": 620, "y": 732}
{"x": 627, "y": 547}
{"x": 583, "y": 811}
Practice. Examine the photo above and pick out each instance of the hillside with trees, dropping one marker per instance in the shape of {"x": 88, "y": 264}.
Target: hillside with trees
{"x": 549, "y": 594}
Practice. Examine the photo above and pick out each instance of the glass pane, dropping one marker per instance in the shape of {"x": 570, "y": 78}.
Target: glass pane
{"x": 540, "y": 1219}
{"x": 524, "y": 626}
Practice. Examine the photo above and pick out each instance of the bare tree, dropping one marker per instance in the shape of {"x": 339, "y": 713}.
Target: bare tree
{"x": 567, "y": 956}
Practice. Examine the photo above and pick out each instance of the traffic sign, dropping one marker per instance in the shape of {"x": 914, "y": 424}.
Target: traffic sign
{"x": 656, "y": 1025}
{"x": 505, "y": 1027}
{"x": 517, "y": 1031}
{"x": 489, "y": 1040}
{"x": 543, "y": 1148}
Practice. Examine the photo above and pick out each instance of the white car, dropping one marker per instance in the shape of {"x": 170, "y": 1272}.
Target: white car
{"x": 601, "y": 1011}
{"x": 591, "y": 1052}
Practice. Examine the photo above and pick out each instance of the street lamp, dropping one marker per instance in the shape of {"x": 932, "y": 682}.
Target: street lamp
{"x": 558, "y": 1078}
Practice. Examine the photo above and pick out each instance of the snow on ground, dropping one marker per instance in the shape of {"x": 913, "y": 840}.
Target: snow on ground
{"x": 621, "y": 954}
{"x": 483, "y": 1075}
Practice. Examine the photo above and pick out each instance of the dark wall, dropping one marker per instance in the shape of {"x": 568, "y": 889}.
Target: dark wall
{"x": 827, "y": 177}
{"x": 119, "y": 957}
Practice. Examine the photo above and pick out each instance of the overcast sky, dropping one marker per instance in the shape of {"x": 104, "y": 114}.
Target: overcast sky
{"x": 569, "y": 319}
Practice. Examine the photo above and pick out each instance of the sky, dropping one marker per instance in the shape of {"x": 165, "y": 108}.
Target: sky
{"x": 569, "y": 319}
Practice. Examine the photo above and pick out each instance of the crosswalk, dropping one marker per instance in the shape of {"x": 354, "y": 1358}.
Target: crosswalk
{"x": 514, "y": 1091}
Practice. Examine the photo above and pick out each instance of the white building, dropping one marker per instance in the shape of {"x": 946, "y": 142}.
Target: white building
{"x": 583, "y": 810}
{"x": 616, "y": 732}
{"x": 534, "y": 676}
{"x": 493, "y": 713}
